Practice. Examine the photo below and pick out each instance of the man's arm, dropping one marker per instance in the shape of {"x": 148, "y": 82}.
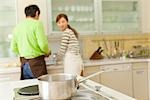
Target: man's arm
{"x": 14, "y": 44}
{"x": 42, "y": 39}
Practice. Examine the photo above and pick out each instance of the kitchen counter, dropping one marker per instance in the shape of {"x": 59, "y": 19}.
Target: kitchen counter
{"x": 7, "y": 89}
{"x": 112, "y": 61}
{"x": 11, "y": 65}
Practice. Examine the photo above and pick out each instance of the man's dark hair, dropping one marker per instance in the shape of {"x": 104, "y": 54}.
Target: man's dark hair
{"x": 31, "y": 10}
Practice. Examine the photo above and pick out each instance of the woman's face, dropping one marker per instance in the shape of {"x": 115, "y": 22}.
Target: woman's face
{"x": 62, "y": 24}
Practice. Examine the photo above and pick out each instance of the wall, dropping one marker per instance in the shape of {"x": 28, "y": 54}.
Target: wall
{"x": 91, "y": 43}
{"x": 88, "y": 44}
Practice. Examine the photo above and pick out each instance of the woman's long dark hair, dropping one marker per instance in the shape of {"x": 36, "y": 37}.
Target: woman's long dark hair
{"x": 65, "y": 16}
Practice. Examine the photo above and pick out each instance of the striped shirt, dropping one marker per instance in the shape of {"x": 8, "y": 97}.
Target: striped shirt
{"x": 69, "y": 42}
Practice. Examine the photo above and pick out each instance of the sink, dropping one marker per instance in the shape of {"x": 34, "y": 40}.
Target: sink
{"x": 51, "y": 62}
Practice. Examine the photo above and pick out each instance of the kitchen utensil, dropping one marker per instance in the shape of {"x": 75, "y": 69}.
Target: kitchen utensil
{"x": 98, "y": 49}
{"x": 97, "y": 54}
{"x": 60, "y": 86}
{"x": 87, "y": 77}
{"x": 57, "y": 86}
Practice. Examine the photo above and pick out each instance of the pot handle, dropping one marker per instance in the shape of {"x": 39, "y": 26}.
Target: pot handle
{"x": 42, "y": 78}
{"x": 76, "y": 82}
{"x": 87, "y": 77}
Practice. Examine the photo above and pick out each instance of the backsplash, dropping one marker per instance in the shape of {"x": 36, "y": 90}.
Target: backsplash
{"x": 114, "y": 45}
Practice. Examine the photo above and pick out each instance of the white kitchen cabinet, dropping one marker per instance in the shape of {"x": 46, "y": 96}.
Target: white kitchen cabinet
{"x": 81, "y": 13}
{"x": 119, "y": 77}
{"x": 96, "y": 16}
{"x": 140, "y": 81}
{"x": 120, "y": 16}
{"x": 88, "y": 70}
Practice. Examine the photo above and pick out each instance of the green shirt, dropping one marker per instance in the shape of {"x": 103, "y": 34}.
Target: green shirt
{"x": 29, "y": 39}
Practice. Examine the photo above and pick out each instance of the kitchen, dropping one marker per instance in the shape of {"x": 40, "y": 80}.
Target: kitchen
{"x": 108, "y": 30}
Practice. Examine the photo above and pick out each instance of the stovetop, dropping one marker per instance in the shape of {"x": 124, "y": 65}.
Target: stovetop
{"x": 82, "y": 94}
{"x": 89, "y": 90}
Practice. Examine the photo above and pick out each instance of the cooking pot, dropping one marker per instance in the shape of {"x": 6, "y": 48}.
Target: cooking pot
{"x": 57, "y": 86}
{"x": 60, "y": 86}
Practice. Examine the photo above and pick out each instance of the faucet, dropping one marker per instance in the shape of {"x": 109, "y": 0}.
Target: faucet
{"x": 54, "y": 58}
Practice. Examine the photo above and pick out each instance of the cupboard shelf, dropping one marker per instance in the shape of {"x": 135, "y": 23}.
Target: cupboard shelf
{"x": 101, "y": 14}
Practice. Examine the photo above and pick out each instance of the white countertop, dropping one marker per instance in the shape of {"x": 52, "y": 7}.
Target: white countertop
{"x": 105, "y": 91}
{"x": 112, "y": 61}
{"x": 7, "y": 89}
{"x": 11, "y": 65}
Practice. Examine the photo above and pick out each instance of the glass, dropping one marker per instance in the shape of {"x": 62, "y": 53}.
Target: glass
{"x": 79, "y": 12}
{"x": 120, "y": 16}
{"x": 7, "y": 23}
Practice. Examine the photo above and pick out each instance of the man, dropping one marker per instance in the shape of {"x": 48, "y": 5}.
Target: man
{"x": 30, "y": 43}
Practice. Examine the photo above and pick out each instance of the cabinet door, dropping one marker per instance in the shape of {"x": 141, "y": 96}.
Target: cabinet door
{"x": 91, "y": 70}
{"x": 120, "y": 16}
{"x": 119, "y": 77}
{"x": 145, "y": 15}
{"x": 7, "y": 22}
{"x": 81, "y": 14}
{"x": 140, "y": 81}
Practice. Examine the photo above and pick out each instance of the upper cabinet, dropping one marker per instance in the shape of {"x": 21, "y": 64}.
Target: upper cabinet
{"x": 120, "y": 16}
{"x": 96, "y": 16}
{"x": 7, "y": 18}
{"x": 7, "y": 23}
{"x": 145, "y": 15}
{"x": 81, "y": 14}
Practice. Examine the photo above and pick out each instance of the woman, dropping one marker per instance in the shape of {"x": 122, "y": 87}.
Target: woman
{"x": 69, "y": 49}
